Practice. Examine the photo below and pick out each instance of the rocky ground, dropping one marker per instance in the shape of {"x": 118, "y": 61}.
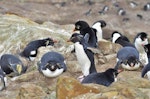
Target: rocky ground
{"x": 22, "y": 21}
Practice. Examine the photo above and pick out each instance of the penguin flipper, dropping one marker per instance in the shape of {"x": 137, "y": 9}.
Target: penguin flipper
{"x": 118, "y": 64}
{"x": 86, "y": 37}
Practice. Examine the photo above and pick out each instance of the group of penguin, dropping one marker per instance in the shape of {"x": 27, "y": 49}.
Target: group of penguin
{"x": 53, "y": 64}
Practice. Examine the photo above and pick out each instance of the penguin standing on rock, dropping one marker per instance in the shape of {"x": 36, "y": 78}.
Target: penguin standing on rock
{"x": 121, "y": 39}
{"x": 97, "y": 27}
{"x": 3, "y": 80}
{"x": 139, "y": 41}
{"x": 84, "y": 55}
{"x": 85, "y": 29}
{"x": 104, "y": 78}
{"x": 52, "y": 64}
{"x": 128, "y": 58}
{"x": 11, "y": 64}
{"x": 31, "y": 50}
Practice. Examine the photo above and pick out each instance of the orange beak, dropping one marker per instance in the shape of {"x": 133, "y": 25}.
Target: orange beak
{"x": 74, "y": 30}
{"x": 55, "y": 41}
{"x": 120, "y": 70}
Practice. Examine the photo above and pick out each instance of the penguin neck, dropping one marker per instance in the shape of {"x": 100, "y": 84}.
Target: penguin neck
{"x": 42, "y": 43}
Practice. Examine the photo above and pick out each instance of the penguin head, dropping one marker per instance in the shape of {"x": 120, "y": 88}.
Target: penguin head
{"x": 141, "y": 39}
{"x": 115, "y": 35}
{"x": 99, "y": 24}
{"x": 113, "y": 73}
{"x": 49, "y": 41}
{"x": 52, "y": 66}
{"x": 131, "y": 61}
{"x": 80, "y": 25}
{"x": 76, "y": 38}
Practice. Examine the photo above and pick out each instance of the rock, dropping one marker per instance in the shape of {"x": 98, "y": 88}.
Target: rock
{"x": 68, "y": 88}
{"x": 31, "y": 91}
{"x": 106, "y": 47}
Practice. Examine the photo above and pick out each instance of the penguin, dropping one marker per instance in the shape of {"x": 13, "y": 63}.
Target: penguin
{"x": 133, "y": 4}
{"x": 105, "y": 78}
{"x": 147, "y": 50}
{"x": 88, "y": 12}
{"x": 84, "y": 55}
{"x": 84, "y": 28}
{"x": 140, "y": 40}
{"x": 104, "y": 10}
{"x": 146, "y": 69}
{"x": 146, "y": 7}
{"x": 31, "y": 50}
{"x": 128, "y": 58}
{"x": 3, "y": 80}
{"x": 121, "y": 12}
{"x": 12, "y": 64}
{"x": 97, "y": 27}
{"x": 52, "y": 64}
{"x": 121, "y": 39}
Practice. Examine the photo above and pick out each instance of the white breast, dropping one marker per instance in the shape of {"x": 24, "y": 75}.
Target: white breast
{"x": 127, "y": 67}
{"x": 55, "y": 73}
{"x": 99, "y": 31}
{"x": 148, "y": 75}
{"x": 82, "y": 59}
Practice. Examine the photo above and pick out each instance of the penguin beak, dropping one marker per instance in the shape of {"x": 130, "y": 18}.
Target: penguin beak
{"x": 132, "y": 65}
{"x": 119, "y": 70}
{"x": 74, "y": 29}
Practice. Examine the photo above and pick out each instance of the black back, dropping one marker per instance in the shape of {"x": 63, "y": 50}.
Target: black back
{"x": 103, "y": 78}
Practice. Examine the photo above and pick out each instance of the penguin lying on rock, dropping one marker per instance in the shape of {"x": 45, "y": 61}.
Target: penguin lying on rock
{"x": 104, "y": 78}
{"x": 128, "y": 58}
{"x": 11, "y": 64}
{"x": 31, "y": 50}
{"x": 121, "y": 39}
{"x": 52, "y": 64}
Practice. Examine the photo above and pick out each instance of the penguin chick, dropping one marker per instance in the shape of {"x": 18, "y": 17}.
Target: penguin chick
{"x": 3, "y": 80}
{"x": 84, "y": 29}
{"x": 128, "y": 58}
{"x": 84, "y": 55}
{"x": 104, "y": 78}
{"x": 97, "y": 27}
{"x": 11, "y": 64}
{"x": 52, "y": 64}
{"x": 31, "y": 50}
{"x": 121, "y": 39}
